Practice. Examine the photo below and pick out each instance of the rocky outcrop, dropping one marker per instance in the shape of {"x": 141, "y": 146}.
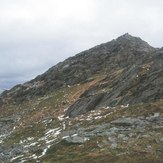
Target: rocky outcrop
{"x": 139, "y": 83}
{"x": 84, "y": 105}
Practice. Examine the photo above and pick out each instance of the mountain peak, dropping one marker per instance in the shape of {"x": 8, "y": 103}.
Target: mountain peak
{"x": 129, "y": 37}
{"x": 132, "y": 41}
{"x": 126, "y": 36}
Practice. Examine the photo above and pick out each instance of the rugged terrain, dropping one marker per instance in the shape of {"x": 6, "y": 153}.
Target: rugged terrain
{"x": 104, "y": 104}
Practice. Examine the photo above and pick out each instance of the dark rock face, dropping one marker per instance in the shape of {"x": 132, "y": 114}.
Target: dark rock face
{"x": 84, "y": 105}
{"x": 138, "y": 84}
{"x": 133, "y": 69}
{"x": 129, "y": 122}
{"x": 141, "y": 80}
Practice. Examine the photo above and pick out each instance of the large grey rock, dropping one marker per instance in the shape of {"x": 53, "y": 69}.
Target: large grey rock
{"x": 84, "y": 105}
{"x": 129, "y": 122}
{"x": 76, "y": 139}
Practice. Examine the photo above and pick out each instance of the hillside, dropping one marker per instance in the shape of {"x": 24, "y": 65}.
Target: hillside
{"x": 104, "y": 104}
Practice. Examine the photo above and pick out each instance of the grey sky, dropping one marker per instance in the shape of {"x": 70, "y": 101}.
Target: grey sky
{"x": 37, "y": 34}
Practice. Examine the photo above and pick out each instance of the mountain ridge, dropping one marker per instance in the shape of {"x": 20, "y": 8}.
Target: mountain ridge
{"x": 103, "y": 50}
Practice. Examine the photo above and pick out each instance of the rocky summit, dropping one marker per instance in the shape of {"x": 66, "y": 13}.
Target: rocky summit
{"x": 104, "y": 104}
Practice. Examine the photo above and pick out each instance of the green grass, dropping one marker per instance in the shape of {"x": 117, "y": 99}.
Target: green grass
{"x": 35, "y": 131}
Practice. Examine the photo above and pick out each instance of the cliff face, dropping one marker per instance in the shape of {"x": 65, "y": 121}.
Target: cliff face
{"x": 93, "y": 106}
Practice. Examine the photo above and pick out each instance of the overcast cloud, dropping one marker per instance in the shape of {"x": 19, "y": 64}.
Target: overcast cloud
{"x": 37, "y": 34}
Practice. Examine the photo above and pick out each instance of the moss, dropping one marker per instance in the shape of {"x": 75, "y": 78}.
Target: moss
{"x": 23, "y": 133}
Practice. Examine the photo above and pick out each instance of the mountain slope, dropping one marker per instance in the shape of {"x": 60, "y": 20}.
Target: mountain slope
{"x": 120, "y": 53}
{"x": 139, "y": 83}
{"x": 133, "y": 71}
{"x": 105, "y": 103}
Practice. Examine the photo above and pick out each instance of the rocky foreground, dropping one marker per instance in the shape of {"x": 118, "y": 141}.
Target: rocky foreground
{"x": 120, "y": 134}
{"x": 102, "y": 105}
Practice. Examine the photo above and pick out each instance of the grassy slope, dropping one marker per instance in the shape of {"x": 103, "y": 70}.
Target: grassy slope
{"x": 53, "y": 105}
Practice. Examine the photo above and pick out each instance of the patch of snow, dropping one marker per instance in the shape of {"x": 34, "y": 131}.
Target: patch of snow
{"x": 3, "y": 136}
{"x": 50, "y": 121}
{"x": 64, "y": 125}
{"x": 81, "y": 116}
{"x": 25, "y": 159}
{"x": 64, "y": 137}
{"x": 107, "y": 114}
{"x": 57, "y": 132}
{"x": 81, "y": 119}
{"x": 98, "y": 144}
{"x": 30, "y": 145}
{"x": 21, "y": 142}
{"x": 47, "y": 121}
{"x": 69, "y": 123}
{"x": 52, "y": 131}
{"x": 14, "y": 158}
{"x": 51, "y": 135}
{"x": 98, "y": 117}
{"x": 44, "y": 151}
{"x": 66, "y": 109}
{"x": 86, "y": 139}
{"x": 26, "y": 140}
{"x": 61, "y": 117}
{"x": 89, "y": 118}
{"x": 74, "y": 135}
{"x": 33, "y": 156}
{"x": 156, "y": 115}
{"x": 125, "y": 106}
{"x": 30, "y": 138}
